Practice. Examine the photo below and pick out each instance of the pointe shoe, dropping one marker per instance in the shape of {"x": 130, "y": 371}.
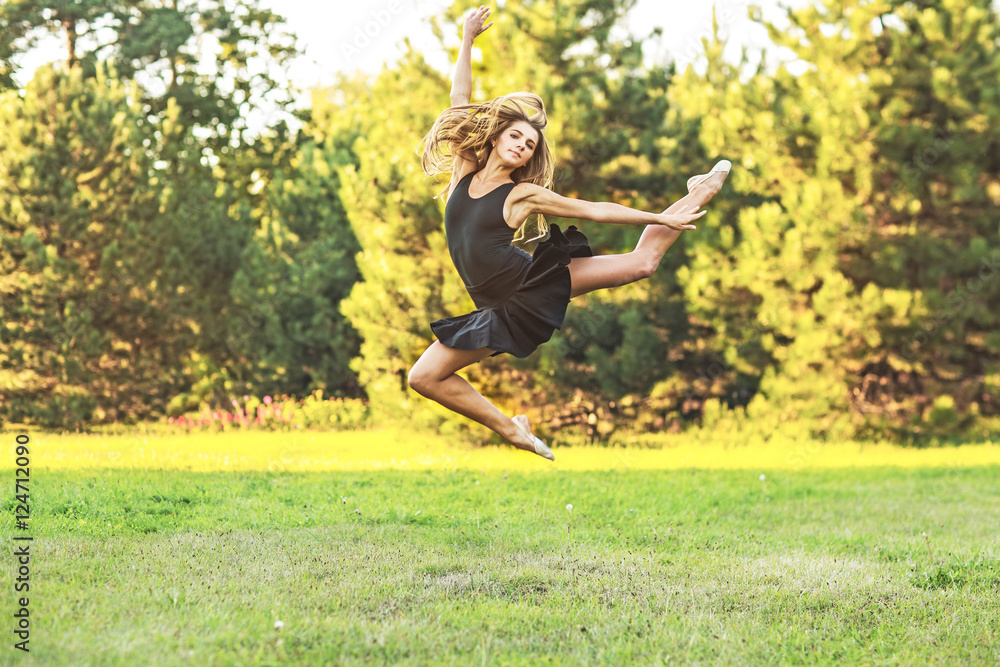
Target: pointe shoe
{"x": 542, "y": 450}
{"x": 721, "y": 165}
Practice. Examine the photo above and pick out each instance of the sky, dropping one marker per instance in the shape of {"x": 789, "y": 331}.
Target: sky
{"x": 342, "y": 36}
{"x": 364, "y": 35}
{"x": 349, "y": 35}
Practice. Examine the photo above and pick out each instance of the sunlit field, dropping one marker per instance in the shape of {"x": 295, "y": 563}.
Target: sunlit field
{"x": 389, "y": 548}
{"x": 399, "y": 450}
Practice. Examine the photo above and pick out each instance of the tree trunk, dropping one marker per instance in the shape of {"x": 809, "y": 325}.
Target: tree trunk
{"x": 70, "y": 26}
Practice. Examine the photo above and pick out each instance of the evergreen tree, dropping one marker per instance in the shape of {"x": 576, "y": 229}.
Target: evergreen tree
{"x": 104, "y": 272}
{"x": 160, "y": 45}
{"x": 863, "y": 206}
{"x": 935, "y": 237}
{"x": 220, "y": 92}
{"x": 286, "y": 334}
{"x": 406, "y": 272}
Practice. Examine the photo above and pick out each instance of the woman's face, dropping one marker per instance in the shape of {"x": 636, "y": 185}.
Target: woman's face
{"x": 516, "y": 144}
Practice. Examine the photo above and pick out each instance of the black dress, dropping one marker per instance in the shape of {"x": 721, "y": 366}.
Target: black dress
{"x": 520, "y": 298}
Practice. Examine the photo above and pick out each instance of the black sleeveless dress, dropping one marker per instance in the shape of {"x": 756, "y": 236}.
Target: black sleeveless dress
{"x": 521, "y": 299}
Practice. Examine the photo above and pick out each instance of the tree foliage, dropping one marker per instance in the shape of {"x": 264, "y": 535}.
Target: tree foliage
{"x": 828, "y": 288}
{"x": 246, "y": 226}
{"x": 162, "y": 46}
{"x": 845, "y": 283}
{"x": 841, "y": 297}
{"x": 286, "y": 335}
{"x": 107, "y": 278}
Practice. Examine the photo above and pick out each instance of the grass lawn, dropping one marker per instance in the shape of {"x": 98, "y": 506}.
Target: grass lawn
{"x": 325, "y": 548}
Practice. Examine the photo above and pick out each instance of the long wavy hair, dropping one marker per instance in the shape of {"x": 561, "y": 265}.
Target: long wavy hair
{"x": 471, "y": 129}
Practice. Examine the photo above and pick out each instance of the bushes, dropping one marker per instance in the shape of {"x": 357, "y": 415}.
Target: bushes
{"x": 336, "y": 414}
{"x": 279, "y": 414}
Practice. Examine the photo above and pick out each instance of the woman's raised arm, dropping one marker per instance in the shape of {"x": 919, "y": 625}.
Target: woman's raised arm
{"x": 461, "y": 84}
{"x": 461, "y": 88}
{"x": 529, "y": 199}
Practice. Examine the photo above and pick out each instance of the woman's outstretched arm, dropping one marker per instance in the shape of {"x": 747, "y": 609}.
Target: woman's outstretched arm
{"x": 528, "y": 199}
{"x": 461, "y": 89}
{"x": 461, "y": 83}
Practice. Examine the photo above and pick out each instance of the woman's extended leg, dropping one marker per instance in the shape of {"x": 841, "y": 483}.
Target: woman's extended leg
{"x": 433, "y": 376}
{"x": 594, "y": 273}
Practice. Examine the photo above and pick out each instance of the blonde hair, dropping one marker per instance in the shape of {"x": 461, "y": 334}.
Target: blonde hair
{"x": 470, "y": 129}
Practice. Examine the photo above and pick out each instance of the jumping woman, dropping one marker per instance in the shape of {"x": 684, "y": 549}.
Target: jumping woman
{"x": 501, "y": 169}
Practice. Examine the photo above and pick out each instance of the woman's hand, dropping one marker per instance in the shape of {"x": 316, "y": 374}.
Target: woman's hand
{"x": 473, "y": 26}
{"x": 461, "y": 84}
{"x": 682, "y": 219}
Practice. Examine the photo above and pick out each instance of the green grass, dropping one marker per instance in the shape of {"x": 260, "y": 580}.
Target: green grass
{"x": 895, "y": 566}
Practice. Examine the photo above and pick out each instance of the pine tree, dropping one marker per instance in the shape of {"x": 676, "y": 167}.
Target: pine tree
{"x": 160, "y": 46}
{"x": 406, "y": 272}
{"x": 105, "y": 267}
{"x": 846, "y": 240}
{"x": 935, "y": 207}
{"x": 286, "y": 334}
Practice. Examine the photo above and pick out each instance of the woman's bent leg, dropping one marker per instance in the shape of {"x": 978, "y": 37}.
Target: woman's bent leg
{"x": 433, "y": 376}
{"x": 603, "y": 271}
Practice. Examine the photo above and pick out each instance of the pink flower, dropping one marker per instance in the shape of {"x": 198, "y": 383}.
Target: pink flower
{"x": 267, "y": 400}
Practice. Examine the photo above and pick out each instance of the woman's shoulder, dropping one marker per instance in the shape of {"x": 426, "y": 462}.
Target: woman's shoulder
{"x": 527, "y": 188}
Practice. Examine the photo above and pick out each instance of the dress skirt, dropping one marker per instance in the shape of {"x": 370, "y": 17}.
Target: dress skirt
{"x": 516, "y": 317}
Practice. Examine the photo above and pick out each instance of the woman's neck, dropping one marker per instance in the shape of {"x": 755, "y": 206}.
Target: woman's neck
{"x": 494, "y": 172}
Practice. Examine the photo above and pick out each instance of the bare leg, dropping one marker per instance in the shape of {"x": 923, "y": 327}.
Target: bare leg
{"x": 433, "y": 376}
{"x": 594, "y": 273}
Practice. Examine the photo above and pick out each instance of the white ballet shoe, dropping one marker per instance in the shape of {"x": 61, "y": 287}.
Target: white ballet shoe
{"x": 538, "y": 446}
{"x": 721, "y": 165}
{"x": 542, "y": 450}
